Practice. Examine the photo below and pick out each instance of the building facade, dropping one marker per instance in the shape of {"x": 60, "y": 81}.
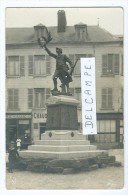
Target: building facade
{"x": 29, "y": 73}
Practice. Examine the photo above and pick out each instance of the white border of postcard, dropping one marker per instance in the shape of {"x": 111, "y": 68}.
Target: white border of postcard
{"x": 68, "y": 4}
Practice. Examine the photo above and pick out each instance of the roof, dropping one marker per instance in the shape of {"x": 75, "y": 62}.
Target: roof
{"x": 27, "y": 35}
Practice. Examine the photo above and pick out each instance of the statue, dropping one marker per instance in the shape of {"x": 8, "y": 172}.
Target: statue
{"x": 63, "y": 71}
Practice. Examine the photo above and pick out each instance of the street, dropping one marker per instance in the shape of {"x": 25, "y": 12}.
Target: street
{"x": 103, "y": 178}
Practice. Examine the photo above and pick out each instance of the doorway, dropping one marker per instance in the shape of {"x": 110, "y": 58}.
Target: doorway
{"x": 42, "y": 128}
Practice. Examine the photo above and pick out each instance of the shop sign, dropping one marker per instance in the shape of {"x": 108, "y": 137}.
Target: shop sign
{"x": 18, "y": 116}
{"x": 39, "y": 115}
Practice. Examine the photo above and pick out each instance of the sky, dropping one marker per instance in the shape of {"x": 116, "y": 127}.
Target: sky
{"x": 110, "y": 19}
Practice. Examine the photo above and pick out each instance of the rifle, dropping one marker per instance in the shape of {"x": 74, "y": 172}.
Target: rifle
{"x": 74, "y": 66}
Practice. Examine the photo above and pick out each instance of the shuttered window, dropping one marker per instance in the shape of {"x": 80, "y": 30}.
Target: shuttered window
{"x": 13, "y": 99}
{"x": 37, "y": 97}
{"x": 107, "y": 98}
{"x": 110, "y": 64}
{"x": 39, "y": 65}
{"x": 15, "y": 65}
{"x": 77, "y": 69}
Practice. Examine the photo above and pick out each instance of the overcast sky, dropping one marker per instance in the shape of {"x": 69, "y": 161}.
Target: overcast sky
{"x": 110, "y": 19}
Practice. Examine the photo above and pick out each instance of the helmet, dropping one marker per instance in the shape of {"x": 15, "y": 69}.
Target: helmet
{"x": 59, "y": 49}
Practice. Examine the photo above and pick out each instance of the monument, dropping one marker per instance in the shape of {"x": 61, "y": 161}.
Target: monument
{"x": 62, "y": 145}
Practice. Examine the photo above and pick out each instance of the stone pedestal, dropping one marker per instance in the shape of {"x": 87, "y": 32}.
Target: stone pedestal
{"x": 62, "y": 140}
{"x": 62, "y": 113}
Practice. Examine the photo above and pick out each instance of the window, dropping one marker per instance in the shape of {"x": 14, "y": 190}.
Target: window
{"x": 81, "y": 33}
{"x": 107, "y": 98}
{"x": 39, "y": 65}
{"x": 13, "y": 99}
{"x": 110, "y": 64}
{"x": 106, "y": 131}
{"x": 39, "y": 101}
{"x": 37, "y": 97}
{"x": 15, "y": 65}
{"x": 73, "y": 58}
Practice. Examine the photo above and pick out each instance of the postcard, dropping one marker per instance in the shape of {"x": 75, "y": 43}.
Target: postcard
{"x": 64, "y": 94}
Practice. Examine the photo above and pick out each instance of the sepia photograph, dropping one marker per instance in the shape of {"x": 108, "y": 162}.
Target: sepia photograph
{"x": 64, "y": 98}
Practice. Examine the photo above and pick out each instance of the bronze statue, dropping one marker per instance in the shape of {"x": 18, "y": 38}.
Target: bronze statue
{"x": 63, "y": 71}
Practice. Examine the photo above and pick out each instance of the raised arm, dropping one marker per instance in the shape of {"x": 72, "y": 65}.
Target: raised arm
{"x": 46, "y": 49}
{"x": 49, "y": 52}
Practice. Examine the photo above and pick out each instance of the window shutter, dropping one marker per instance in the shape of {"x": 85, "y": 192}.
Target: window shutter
{"x": 10, "y": 98}
{"x": 16, "y": 98}
{"x": 104, "y": 64}
{"x": 116, "y": 63}
{"x": 30, "y": 98}
{"x": 48, "y": 65}
{"x": 109, "y": 97}
{"x": 22, "y": 70}
{"x": 30, "y": 65}
{"x": 104, "y": 98}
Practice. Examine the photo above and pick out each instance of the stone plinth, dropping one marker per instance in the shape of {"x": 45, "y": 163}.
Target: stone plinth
{"x": 62, "y": 148}
{"x": 62, "y": 145}
{"x": 62, "y": 113}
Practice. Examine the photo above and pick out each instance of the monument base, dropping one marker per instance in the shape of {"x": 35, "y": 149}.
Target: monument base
{"x": 65, "y": 152}
{"x": 62, "y": 145}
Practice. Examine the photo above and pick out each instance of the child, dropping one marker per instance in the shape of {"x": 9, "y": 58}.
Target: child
{"x": 13, "y": 153}
{"x": 18, "y": 142}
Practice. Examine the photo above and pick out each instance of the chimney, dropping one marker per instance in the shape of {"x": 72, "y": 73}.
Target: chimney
{"x": 61, "y": 21}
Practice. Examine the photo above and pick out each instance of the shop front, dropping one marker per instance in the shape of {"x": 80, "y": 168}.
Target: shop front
{"x": 18, "y": 126}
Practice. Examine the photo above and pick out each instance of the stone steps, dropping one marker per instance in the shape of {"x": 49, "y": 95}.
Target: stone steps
{"x": 61, "y": 155}
{"x": 61, "y": 145}
{"x": 62, "y": 142}
{"x": 62, "y": 148}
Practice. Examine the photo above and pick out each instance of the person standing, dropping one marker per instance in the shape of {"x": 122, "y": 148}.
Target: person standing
{"x": 18, "y": 143}
{"x": 13, "y": 154}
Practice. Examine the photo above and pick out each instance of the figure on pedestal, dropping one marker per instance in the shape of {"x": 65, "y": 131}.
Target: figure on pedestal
{"x": 64, "y": 67}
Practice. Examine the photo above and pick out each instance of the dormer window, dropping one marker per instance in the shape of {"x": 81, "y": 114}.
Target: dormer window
{"x": 40, "y": 31}
{"x": 81, "y": 31}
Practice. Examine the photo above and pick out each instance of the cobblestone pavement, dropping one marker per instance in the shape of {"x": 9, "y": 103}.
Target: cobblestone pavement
{"x": 104, "y": 178}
